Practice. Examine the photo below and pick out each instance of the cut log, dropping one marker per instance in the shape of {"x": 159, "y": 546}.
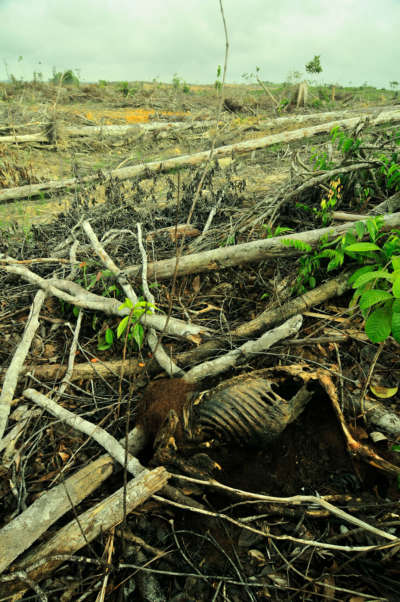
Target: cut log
{"x": 249, "y": 252}
{"x": 91, "y": 523}
{"x": 183, "y": 161}
{"x": 108, "y": 130}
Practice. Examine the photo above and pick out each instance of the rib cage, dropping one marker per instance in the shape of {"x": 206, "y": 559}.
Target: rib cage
{"x": 246, "y": 412}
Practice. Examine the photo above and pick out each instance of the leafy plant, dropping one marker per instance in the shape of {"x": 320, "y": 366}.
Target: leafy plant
{"x": 377, "y": 286}
{"x": 230, "y": 240}
{"x": 313, "y": 263}
{"x": 179, "y": 84}
{"x": 391, "y": 171}
{"x": 329, "y": 202}
{"x": 314, "y": 66}
{"x": 99, "y": 277}
{"x": 345, "y": 143}
{"x": 65, "y": 77}
{"x": 218, "y": 82}
{"x": 123, "y": 87}
{"x": 321, "y": 161}
{"x": 131, "y": 322}
{"x": 107, "y": 341}
{"x": 269, "y": 233}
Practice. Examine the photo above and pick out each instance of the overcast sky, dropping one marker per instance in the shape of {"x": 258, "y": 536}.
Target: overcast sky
{"x": 358, "y": 40}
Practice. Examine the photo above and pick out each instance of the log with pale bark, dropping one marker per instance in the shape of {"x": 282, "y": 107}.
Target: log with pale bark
{"x": 239, "y": 148}
{"x": 104, "y": 131}
{"x": 279, "y": 121}
{"x": 90, "y": 524}
{"x": 249, "y": 252}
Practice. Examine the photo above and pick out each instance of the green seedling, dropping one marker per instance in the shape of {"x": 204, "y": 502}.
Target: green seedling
{"x": 345, "y": 143}
{"x": 130, "y": 324}
{"x": 229, "y": 241}
{"x": 269, "y": 233}
{"x": 391, "y": 171}
{"x": 329, "y": 203}
{"x": 320, "y": 161}
{"x": 107, "y": 341}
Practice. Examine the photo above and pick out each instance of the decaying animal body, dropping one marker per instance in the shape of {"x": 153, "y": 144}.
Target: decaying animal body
{"x": 245, "y": 410}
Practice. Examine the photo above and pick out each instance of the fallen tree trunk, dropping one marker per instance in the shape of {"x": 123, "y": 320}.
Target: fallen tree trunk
{"x": 19, "y": 138}
{"x": 249, "y": 252}
{"x": 125, "y": 173}
{"x": 122, "y": 130}
{"x": 344, "y": 114}
{"x": 103, "y": 131}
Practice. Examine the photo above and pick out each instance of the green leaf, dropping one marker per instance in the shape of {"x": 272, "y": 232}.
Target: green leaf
{"x": 122, "y": 326}
{"x": 103, "y": 346}
{"x": 362, "y": 247}
{"x": 369, "y": 298}
{"x": 138, "y": 334}
{"x": 126, "y": 304}
{"x": 109, "y": 336}
{"x": 360, "y": 229}
{"x": 348, "y": 239}
{"x": 372, "y": 229}
{"x": 396, "y": 326}
{"x": 378, "y": 326}
{"x": 299, "y": 245}
{"x": 396, "y": 262}
{"x": 396, "y": 287}
{"x": 364, "y": 270}
{"x": 396, "y": 306}
{"x": 364, "y": 278}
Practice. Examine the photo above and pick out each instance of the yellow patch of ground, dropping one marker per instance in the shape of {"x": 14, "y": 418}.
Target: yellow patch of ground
{"x": 110, "y": 116}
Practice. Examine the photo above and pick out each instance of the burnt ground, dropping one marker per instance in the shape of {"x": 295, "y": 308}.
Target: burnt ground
{"x": 193, "y": 556}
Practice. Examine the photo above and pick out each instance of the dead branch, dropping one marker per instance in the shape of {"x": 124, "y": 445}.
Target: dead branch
{"x": 94, "y": 431}
{"x": 388, "y": 205}
{"x": 71, "y": 357}
{"x": 28, "y": 527}
{"x": 293, "y": 500}
{"x": 375, "y": 413}
{"x": 239, "y": 355}
{"x": 77, "y": 295}
{"x": 109, "y": 263}
{"x": 86, "y": 370}
{"x": 154, "y": 343}
{"x": 14, "y": 369}
{"x": 269, "y": 317}
{"x": 329, "y": 115}
{"x": 125, "y": 173}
